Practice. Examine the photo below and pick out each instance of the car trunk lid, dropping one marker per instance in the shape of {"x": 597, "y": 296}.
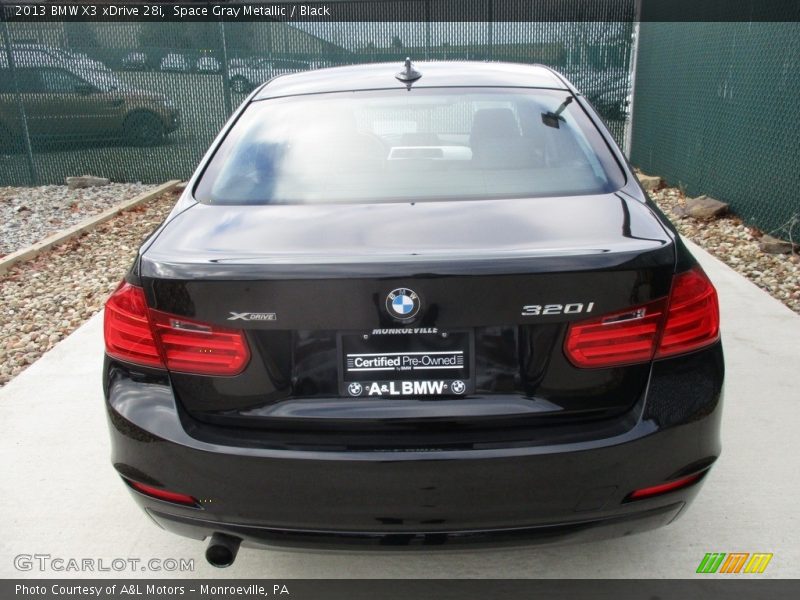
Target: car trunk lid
{"x": 311, "y": 285}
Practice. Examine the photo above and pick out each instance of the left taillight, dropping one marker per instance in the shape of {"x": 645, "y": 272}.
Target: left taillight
{"x": 126, "y": 327}
{"x": 190, "y": 346}
{"x": 138, "y": 334}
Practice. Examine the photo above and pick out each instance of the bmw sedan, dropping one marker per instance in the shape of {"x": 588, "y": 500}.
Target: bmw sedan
{"x": 413, "y": 306}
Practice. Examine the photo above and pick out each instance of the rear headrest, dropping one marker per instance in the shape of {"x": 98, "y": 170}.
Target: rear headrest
{"x": 493, "y": 124}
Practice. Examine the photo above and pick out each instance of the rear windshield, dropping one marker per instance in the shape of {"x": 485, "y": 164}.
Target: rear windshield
{"x": 417, "y": 145}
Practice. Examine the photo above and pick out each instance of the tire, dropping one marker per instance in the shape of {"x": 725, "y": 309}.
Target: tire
{"x": 240, "y": 85}
{"x": 144, "y": 129}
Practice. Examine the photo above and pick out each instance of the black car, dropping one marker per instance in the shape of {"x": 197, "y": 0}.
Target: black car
{"x": 409, "y": 309}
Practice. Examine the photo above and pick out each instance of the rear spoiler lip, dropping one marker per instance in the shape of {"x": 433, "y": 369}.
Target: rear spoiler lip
{"x": 634, "y": 254}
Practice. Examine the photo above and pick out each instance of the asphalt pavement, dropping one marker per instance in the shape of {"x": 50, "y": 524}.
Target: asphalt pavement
{"x": 60, "y": 497}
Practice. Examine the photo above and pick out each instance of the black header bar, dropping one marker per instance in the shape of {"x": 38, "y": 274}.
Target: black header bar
{"x": 407, "y": 11}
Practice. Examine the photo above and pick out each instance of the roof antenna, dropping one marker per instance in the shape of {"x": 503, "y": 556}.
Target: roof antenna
{"x": 409, "y": 74}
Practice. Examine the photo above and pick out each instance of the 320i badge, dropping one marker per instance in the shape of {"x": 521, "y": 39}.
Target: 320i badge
{"x": 414, "y": 308}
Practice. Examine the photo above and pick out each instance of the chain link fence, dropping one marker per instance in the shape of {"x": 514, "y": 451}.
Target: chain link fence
{"x": 143, "y": 101}
{"x": 716, "y": 112}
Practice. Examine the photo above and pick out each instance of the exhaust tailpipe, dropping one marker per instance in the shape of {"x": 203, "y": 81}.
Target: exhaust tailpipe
{"x": 222, "y": 550}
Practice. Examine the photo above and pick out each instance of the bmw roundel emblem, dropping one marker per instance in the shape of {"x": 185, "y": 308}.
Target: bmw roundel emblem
{"x": 402, "y": 304}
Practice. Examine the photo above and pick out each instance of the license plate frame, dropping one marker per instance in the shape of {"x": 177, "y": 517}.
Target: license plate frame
{"x": 406, "y": 363}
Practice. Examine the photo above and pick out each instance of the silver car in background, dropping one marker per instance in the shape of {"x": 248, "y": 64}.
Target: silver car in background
{"x": 257, "y": 71}
{"x": 175, "y": 62}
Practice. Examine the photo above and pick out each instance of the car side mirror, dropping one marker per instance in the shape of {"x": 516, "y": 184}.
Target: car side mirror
{"x": 84, "y": 89}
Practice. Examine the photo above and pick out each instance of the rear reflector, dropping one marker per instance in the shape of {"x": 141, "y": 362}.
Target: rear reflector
{"x": 663, "y": 488}
{"x": 685, "y": 321}
{"x": 160, "y": 494}
{"x": 137, "y": 334}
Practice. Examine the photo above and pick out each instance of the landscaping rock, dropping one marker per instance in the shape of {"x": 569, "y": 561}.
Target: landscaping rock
{"x": 85, "y": 181}
{"x": 772, "y": 245}
{"x": 649, "y": 182}
{"x": 705, "y": 208}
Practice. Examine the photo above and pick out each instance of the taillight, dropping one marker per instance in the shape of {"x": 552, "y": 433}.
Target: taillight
{"x": 193, "y": 347}
{"x": 693, "y": 317}
{"x": 687, "y": 320}
{"x": 616, "y": 339}
{"x": 137, "y": 334}
{"x": 126, "y": 327}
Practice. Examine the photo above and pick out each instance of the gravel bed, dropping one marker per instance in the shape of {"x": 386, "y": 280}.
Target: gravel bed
{"x": 30, "y": 214}
{"x": 736, "y": 244}
{"x": 47, "y": 298}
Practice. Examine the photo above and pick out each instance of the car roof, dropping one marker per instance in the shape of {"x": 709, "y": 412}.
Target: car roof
{"x": 28, "y": 58}
{"x": 434, "y": 74}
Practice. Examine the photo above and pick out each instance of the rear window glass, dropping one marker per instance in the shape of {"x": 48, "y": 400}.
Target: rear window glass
{"x": 417, "y": 145}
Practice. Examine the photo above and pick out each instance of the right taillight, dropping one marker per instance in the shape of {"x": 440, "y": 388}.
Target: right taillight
{"x": 693, "y": 315}
{"x": 137, "y": 334}
{"x": 685, "y": 321}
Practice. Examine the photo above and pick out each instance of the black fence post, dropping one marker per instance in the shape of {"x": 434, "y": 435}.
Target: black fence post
{"x": 226, "y": 80}
{"x": 490, "y": 32}
{"x": 427, "y": 29}
{"x": 20, "y": 105}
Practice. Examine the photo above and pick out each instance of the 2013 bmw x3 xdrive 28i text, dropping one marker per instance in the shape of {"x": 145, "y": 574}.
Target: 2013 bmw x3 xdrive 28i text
{"x": 408, "y": 309}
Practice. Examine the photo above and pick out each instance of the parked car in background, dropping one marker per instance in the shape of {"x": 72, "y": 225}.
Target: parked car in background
{"x": 135, "y": 61}
{"x": 175, "y": 62}
{"x": 81, "y": 61}
{"x": 257, "y": 71}
{"x": 207, "y": 64}
{"x": 320, "y": 64}
{"x": 61, "y": 104}
{"x": 76, "y": 61}
{"x": 413, "y": 309}
{"x": 238, "y": 62}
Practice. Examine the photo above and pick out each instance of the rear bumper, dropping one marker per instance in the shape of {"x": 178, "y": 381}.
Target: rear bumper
{"x": 335, "y": 498}
{"x": 573, "y": 532}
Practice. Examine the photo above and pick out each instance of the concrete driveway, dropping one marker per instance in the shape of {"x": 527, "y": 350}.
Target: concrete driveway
{"x": 59, "y": 495}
